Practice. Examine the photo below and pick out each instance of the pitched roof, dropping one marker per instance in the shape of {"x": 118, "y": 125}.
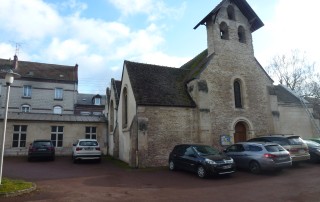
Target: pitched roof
{"x": 158, "y": 85}
{"x": 244, "y": 7}
{"x": 86, "y": 99}
{"x": 116, "y": 85}
{"x": 285, "y": 95}
{"x": 42, "y": 71}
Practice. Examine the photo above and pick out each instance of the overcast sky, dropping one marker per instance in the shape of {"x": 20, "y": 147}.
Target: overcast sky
{"x": 99, "y": 35}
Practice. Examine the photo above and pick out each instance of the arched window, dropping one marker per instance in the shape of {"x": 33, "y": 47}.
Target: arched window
{"x": 25, "y": 108}
{"x": 241, "y": 34}
{"x": 124, "y": 108}
{"x": 224, "y": 32}
{"x": 57, "y": 110}
{"x": 230, "y": 11}
{"x": 111, "y": 116}
{"x": 237, "y": 94}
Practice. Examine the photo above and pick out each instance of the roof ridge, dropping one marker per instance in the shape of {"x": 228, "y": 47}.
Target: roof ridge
{"x": 148, "y": 64}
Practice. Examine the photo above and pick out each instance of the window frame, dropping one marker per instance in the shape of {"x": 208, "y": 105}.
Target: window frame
{"x": 27, "y": 91}
{"x": 58, "y": 93}
{"x": 125, "y": 108}
{"x": 55, "y": 108}
{"x": 57, "y": 136}
{"x": 21, "y": 134}
{"x": 91, "y": 132}
{"x": 237, "y": 91}
{"x": 25, "y": 106}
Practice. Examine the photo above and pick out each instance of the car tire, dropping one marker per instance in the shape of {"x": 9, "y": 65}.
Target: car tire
{"x": 202, "y": 173}
{"x": 74, "y": 160}
{"x": 254, "y": 167}
{"x": 172, "y": 166}
{"x": 53, "y": 158}
{"x": 29, "y": 159}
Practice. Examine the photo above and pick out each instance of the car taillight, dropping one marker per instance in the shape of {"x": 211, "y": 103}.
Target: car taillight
{"x": 269, "y": 156}
{"x": 78, "y": 149}
{"x": 98, "y": 148}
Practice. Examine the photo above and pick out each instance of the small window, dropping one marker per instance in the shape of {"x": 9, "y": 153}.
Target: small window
{"x": 96, "y": 113}
{"x": 91, "y": 133}
{"x": 97, "y": 101}
{"x": 237, "y": 94}
{"x": 111, "y": 122}
{"x": 224, "y": 31}
{"x": 57, "y": 110}
{"x": 58, "y": 94}
{"x": 125, "y": 108}
{"x": 241, "y": 34}
{"x": 85, "y": 113}
{"x": 26, "y": 91}
{"x": 230, "y": 11}
{"x": 25, "y": 108}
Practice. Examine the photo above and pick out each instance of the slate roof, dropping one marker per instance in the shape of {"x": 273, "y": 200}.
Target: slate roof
{"x": 116, "y": 85}
{"x": 244, "y": 7}
{"x": 158, "y": 85}
{"x": 285, "y": 95}
{"x": 86, "y": 99}
{"x": 53, "y": 117}
{"x": 42, "y": 71}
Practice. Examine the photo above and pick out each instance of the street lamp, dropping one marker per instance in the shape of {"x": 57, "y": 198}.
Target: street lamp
{"x": 9, "y": 80}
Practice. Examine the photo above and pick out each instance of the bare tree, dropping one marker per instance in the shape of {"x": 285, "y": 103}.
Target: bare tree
{"x": 296, "y": 72}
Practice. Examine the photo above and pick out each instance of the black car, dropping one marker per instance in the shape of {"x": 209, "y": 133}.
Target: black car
{"x": 314, "y": 150}
{"x": 202, "y": 159}
{"x": 41, "y": 149}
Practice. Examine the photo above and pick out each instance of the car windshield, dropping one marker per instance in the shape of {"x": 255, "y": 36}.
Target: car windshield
{"x": 206, "y": 150}
{"x": 88, "y": 143}
{"x": 274, "y": 148}
{"x": 295, "y": 140}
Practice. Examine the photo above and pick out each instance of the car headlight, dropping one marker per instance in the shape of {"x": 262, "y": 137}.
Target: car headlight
{"x": 210, "y": 162}
{"x": 229, "y": 161}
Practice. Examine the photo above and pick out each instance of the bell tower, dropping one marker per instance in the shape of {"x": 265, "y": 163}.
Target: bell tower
{"x": 230, "y": 26}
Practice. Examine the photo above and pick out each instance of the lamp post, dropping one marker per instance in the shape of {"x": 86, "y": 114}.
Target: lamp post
{"x": 9, "y": 80}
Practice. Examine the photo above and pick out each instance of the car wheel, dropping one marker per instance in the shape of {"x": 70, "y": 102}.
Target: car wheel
{"x": 74, "y": 160}
{"x": 202, "y": 173}
{"x": 172, "y": 167}
{"x": 29, "y": 159}
{"x": 53, "y": 158}
{"x": 254, "y": 167}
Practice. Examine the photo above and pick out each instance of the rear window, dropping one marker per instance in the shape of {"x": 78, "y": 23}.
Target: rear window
{"x": 295, "y": 140}
{"x": 279, "y": 140}
{"x": 88, "y": 143}
{"x": 274, "y": 148}
{"x": 42, "y": 144}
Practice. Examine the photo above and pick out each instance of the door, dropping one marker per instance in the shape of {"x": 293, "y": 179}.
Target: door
{"x": 240, "y": 134}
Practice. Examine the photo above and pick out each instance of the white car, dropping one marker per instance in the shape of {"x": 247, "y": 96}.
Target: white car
{"x": 86, "y": 149}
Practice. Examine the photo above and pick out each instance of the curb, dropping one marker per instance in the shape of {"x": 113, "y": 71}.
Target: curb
{"x": 19, "y": 192}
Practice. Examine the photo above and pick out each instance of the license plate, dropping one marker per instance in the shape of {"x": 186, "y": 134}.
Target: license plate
{"x": 226, "y": 167}
{"x": 301, "y": 151}
{"x": 88, "y": 148}
{"x": 282, "y": 158}
{"x": 42, "y": 149}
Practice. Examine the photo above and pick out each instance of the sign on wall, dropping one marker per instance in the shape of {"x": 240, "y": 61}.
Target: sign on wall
{"x": 225, "y": 140}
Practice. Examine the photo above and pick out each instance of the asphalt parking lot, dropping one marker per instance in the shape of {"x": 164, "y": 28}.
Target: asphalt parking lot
{"x": 61, "y": 180}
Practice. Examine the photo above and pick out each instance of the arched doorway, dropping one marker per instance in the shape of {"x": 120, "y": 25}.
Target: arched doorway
{"x": 240, "y": 134}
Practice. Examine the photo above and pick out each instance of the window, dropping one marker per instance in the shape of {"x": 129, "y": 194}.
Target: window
{"x": 25, "y": 108}
{"x": 224, "y": 32}
{"x": 241, "y": 34}
{"x": 237, "y": 94}
{"x": 91, "y": 132}
{"x": 58, "y": 93}
{"x": 111, "y": 116}
{"x": 19, "y": 136}
{"x": 125, "y": 108}
{"x": 230, "y": 11}
{"x": 97, "y": 101}
{"x": 85, "y": 113}
{"x": 26, "y": 91}
{"x": 57, "y": 110}
{"x": 57, "y": 135}
{"x": 96, "y": 113}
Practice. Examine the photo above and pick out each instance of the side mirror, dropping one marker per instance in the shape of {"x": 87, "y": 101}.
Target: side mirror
{"x": 74, "y": 144}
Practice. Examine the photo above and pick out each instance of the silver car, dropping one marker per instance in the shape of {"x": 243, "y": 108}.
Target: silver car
{"x": 257, "y": 156}
{"x": 86, "y": 149}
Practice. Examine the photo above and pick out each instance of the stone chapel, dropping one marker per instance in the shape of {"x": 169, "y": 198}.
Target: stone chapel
{"x": 223, "y": 95}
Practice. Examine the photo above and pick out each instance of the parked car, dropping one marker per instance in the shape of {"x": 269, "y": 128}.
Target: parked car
{"x": 257, "y": 156}
{"x": 41, "y": 149}
{"x": 314, "y": 150}
{"x": 202, "y": 159}
{"x": 292, "y": 143}
{"x": 86, "y": 149}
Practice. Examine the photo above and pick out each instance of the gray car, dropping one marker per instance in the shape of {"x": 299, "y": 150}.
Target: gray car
{"x": 257, "y": 156}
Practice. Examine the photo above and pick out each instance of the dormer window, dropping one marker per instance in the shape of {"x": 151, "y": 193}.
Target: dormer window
{"x": 25, "y": 108}
{"x": 97, "y": 101}
{"x": 224, "y": 31}
{"x": 230, "y": 11}
{"x": 241, "y": 34}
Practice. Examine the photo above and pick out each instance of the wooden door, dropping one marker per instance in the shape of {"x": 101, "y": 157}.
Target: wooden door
{"x": 240, "y": 134}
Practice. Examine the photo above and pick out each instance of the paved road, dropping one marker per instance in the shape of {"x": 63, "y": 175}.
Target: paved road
{"x": 63, "y": 181}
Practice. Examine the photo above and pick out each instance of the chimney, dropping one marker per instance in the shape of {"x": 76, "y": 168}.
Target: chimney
{"x": 15, "y": 62}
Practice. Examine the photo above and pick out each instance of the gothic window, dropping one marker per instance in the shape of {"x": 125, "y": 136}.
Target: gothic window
{"x": 224, "y": 32}
{"x": 125, "y": 108}
{"x": 230, "y": 11}
{"x": 241, "y": 34}
{"x": 237, "y": 94}
{"x": 111, "y": 116}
